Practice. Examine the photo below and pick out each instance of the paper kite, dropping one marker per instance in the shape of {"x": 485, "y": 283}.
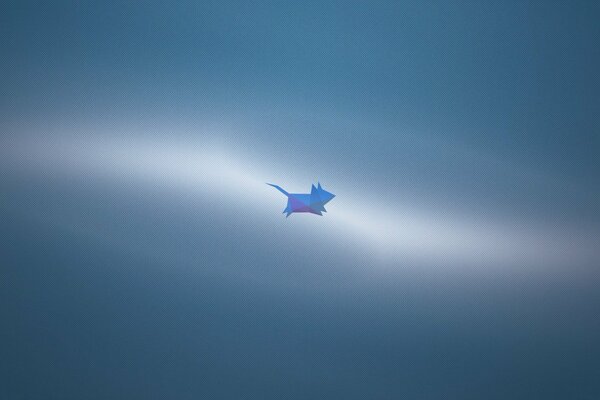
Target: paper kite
{"x": 306, "y": 203}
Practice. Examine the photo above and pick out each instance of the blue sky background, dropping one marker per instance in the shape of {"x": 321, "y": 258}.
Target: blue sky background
{"x": 142, "y": 256}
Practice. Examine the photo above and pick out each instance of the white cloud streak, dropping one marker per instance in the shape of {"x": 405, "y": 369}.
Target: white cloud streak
{"x": 392, "y": 231}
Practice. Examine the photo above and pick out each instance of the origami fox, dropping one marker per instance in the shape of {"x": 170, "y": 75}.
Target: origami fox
{"x": 303, "y": 202}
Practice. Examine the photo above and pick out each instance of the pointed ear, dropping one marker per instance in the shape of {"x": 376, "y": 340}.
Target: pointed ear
{"x": 320, "y": 188}
{"x": 313, "y": 188}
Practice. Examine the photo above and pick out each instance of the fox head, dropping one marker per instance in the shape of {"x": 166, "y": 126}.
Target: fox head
{"x": 324, "y": 195}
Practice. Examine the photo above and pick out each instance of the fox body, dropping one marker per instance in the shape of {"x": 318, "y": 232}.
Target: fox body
{"x": 312, "y": 202}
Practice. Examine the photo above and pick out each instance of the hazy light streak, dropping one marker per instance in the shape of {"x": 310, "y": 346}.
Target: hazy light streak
{"x": 394, "y": 231}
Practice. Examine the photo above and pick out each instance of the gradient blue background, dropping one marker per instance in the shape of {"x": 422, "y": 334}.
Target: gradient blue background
{"x": 112, "y": 290}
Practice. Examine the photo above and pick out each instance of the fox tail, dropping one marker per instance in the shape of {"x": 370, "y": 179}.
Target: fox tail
{"x": 279, "y": 188}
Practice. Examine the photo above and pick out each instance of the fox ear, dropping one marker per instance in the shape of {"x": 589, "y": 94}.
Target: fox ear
{"x": 319, "y": 184}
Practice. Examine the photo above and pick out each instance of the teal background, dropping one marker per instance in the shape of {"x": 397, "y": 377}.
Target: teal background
{"x": 112, "y": 289}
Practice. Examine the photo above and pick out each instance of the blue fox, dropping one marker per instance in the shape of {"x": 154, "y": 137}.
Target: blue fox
{"x": 304, "y": 202}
